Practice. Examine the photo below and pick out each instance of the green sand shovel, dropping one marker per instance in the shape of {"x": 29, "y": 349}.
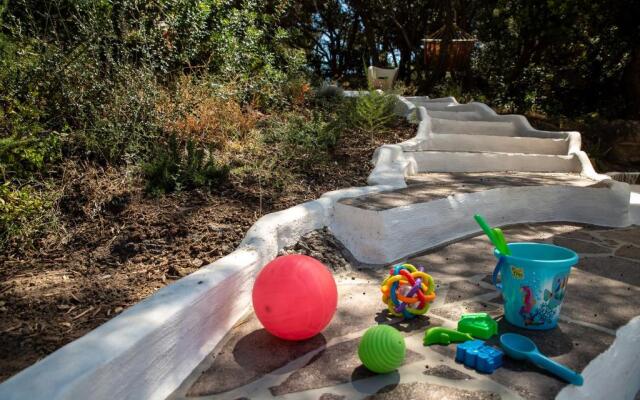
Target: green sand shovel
{"x": 495, "y": 235}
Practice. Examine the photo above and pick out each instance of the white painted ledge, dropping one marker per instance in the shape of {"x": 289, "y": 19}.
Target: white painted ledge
{"x": 475, "y": 127}
{"x": 488, "y": 143}
{"x": 145, "y": 352}
{"x": 391, "y": 166}
{"x": 385, "y": 236}
{"x": 634, "y": 199}
{"x": 404, "y": 107}
{"x": 634, "y": 205}
{"x": 614, "y": 374}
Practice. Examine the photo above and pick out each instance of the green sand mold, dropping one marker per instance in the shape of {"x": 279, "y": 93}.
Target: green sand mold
{"x": 439, "y": 335}
{"x": 479, "y": 325}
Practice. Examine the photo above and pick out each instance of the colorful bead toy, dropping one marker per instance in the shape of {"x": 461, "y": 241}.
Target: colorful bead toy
{"x": 408, "y": 291}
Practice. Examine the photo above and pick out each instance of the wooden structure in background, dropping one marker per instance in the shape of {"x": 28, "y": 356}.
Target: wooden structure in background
{"x": 449, "y": 48}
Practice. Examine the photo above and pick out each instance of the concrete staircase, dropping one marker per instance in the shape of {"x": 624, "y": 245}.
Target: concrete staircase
{"x": 466, "y": 159}
{"x": 464, "y": 139}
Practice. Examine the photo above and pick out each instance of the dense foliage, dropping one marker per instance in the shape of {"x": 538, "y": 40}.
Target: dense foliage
{"x": 209, "y": 93}
{"x": 108, "y": 81}
{"x": 558, "y": 56}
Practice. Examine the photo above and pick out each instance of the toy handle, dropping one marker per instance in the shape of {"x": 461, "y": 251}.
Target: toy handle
{"x": 501, "y": 261}
{"x": 555, "y": 368}
{"x": 486, "y": 228}
{"x": 501, "y": 243}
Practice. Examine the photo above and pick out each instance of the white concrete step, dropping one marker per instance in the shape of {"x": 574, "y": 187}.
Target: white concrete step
{"x": 385, "y": 227}
{"x": 427, "y": 100}
{"x": 491, "y": 128}
{"x": 459, "y": 161}
{"x": 456, "y": 115}
{"x": 482, "y": 143}
{"x": 634, "y": 204}
{"x": 432, "y": 104}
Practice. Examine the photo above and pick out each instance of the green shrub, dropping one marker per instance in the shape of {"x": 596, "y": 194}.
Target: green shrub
{"x": 305, "y": 139}
{"x": 25, "y": 144}
{"x": 181, "y": 166}
{"x": 97, "y": 69}
{"x": 23, "y": 212}
{"x": 125, "y": 124}
{"x": 449, "y": 86}
{"x": 370, "y": 113}
{"x": 19, "y": 157}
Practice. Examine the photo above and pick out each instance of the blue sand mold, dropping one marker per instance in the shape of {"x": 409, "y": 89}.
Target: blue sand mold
{"x": 479, "y": 356}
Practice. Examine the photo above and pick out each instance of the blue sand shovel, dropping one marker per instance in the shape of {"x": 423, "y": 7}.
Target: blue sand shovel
{"x": 522, "y": 348}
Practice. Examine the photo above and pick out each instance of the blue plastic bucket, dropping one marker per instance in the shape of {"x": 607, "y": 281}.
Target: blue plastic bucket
{"x": 534, "y": 279}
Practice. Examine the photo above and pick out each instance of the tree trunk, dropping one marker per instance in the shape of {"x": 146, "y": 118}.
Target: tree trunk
{"x": 404, "y": 69}
{"x": 371, "y": 40}
{"x": 631, "y": 81}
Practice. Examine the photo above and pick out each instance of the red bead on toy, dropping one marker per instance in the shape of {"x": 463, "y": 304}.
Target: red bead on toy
{"x": 295, "y": 297}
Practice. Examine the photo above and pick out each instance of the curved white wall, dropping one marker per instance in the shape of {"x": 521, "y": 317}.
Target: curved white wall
{"x": 614, "y": 374}
{"x": 385, "y": 236}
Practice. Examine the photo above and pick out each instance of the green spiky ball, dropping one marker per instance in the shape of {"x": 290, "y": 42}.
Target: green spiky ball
{"x": 382, "y": 349}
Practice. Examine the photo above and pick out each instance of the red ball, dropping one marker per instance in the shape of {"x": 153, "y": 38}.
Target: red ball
{"x": 295, "y": 297}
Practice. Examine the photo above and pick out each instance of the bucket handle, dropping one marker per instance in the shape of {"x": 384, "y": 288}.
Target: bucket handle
{"x": 501, "y": 261}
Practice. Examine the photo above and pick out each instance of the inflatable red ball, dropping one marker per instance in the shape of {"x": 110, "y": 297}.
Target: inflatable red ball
{"x": 295, "y": 297}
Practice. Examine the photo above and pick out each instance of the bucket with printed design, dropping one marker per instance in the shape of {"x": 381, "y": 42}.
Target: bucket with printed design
{"x": 534, "y": 279}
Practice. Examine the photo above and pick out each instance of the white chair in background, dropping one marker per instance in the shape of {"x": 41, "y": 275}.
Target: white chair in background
{"x": 381, "y": 78}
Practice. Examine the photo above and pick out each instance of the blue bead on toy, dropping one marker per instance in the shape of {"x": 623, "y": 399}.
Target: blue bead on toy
{"x": 479, "y": 356}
